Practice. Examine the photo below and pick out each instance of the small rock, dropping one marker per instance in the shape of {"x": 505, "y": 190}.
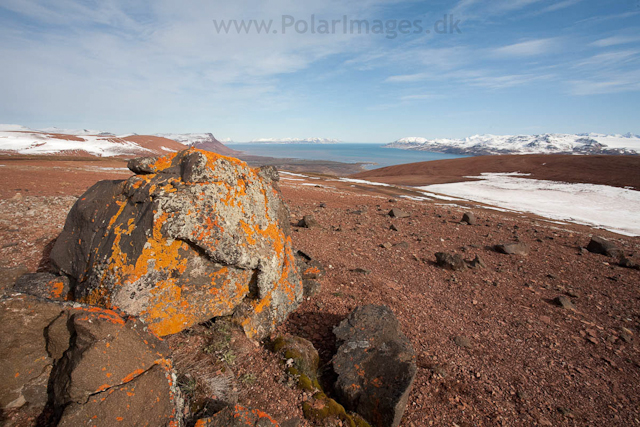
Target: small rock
{"x": 450, "y": 261}
{"x": 401, "y": 245}
{"x": 512, "y": 248}
{"x": 386, "y": 245}
{"x": 564, "y": 302}
{"x": 393, "y": 227}
{"x": 627, "y": 263}
{"x": 361, "y": 270}
{"x": 308, "y": 221}
{"x": 469, "y": 218}
{"x": 476, "y": 262}
{"x": 462, "y": 341}
{"x": 397, "y": 213}
{"x": 602, "y": 246}
{"x": 626, "y": 335}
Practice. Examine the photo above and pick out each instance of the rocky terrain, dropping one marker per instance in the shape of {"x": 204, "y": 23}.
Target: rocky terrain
{"x": 514, "y": 322}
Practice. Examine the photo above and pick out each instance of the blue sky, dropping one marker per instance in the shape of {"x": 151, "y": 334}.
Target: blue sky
{"x": 515, "y": 67}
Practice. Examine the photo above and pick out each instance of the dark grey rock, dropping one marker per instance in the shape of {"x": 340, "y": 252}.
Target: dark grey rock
{"x": 308, "y": 221}
{"x": 627, "y": 263}
{"x": 44, "y": 285}
{"x": 450, "y": 261}
{"x": 600, "y": 245}
{"x": 375, "y": 364}
{"x": 512, "y": 248}
{"x": 564, "y": 302}
{"x": 398, "y": 213}
{"x": 477, "y": 262}
{"x": 311, "y": 270}
{"x": 469, "y": 218}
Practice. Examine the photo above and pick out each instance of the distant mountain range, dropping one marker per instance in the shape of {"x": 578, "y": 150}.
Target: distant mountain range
{"x": 203, "y": 141}
{"x": 16, "y": 139}
{"x": 587, "y": 143}
{"x": 295, "y": 141}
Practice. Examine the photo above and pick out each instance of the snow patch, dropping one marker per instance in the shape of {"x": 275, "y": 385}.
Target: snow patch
{"x": 614, "y": 209}
{"x": 362, "y": 181}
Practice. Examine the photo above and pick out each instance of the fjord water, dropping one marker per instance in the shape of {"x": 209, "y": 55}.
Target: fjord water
{"x": 374, "y": 154}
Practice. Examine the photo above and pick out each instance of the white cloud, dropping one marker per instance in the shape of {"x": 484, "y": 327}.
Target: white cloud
{"x": 528, "y": 48}
{"x": 615, "y": 41}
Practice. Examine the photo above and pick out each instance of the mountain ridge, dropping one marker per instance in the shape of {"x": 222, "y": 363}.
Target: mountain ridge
{"x": 549, "y": 143}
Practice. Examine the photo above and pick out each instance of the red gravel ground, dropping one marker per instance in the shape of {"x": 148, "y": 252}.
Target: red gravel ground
{"x": 529, "y": 362}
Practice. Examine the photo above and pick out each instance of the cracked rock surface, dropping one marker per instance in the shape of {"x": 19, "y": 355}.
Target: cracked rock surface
{"x": 73, "y": 364}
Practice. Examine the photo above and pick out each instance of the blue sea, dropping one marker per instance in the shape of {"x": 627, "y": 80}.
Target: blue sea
{"x": 374, "y": 154}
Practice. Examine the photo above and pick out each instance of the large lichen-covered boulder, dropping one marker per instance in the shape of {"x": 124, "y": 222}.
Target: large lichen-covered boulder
{"x": 74, "y": 364}
{"x": 375, "y": 364}
{"x": 192, "y": 236}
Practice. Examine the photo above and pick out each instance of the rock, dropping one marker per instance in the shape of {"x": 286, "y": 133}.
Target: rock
{"x": 462, "y": 341}
{"x": 293, "y": 422}
{"x": 238, "y": 416}
{"x": 477, "y": 262}
{"x": 512, "y": 248}
{"x": 375, "y": 365}
{"x": 469, "y": 218}
{"x": 600, "y": 245}
{"x": 386, "y": 245}
{"x": 193, "y": 236}
{"x": 44, "y": 285}
{"x": 86, "y": 363}
{"x": 401, "y": 245}
{"x": 361, "y": 270}
{"x": 308, "y": 221}
{"x": 397, "y": 213}
{"x": 9, "y": 275}
{"x": 25, "y": 363}
{"x": 301, "y": 361}
{"x": 564, "y": 302}
{"x": 311, "y": 270}
{"x": 452, "y": 262}
{"x": 626, "y": 335}
{"x": 393, "y": 227}
{"x": 627, "y": 263}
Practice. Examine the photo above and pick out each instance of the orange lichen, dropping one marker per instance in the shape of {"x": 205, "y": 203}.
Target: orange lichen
{"x": 57, "y": 287}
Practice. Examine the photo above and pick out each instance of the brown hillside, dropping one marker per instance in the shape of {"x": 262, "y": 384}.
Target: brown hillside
{"x": 618, "y": 171}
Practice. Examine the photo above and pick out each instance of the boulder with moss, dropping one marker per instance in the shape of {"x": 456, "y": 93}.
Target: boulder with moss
{"x": 191, "y": 236}
{"x": 301, "y": 360}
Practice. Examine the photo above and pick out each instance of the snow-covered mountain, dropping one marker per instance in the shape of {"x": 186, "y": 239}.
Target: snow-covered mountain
{"x": 16, "y": 139}
{"x": 588, "y": 143}
{"x": 295, "y": 141}
{"x": 203, "y": 141}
